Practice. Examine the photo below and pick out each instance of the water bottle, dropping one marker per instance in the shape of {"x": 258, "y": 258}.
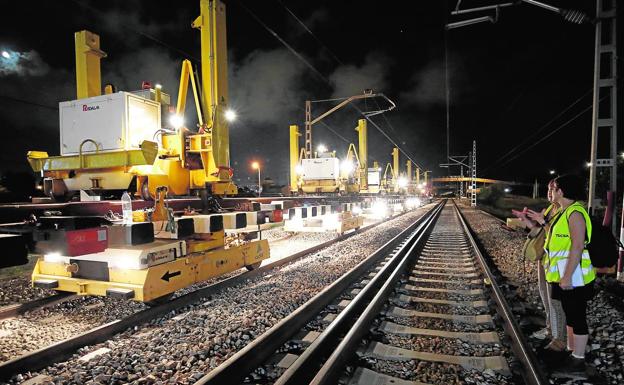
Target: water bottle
{"x": 126, "y": 208}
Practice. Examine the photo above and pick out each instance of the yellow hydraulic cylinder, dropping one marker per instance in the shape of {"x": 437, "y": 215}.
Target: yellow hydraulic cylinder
{"x": 409, "y": 170}
{"x": 294, "y": 156}
{"x": 363, "y": 153}
{"x": 395, "y": 165}
{"x": 427, "y": 177}
{"x": 88, "y": 55}
{"x": 417, "y": 176}
{"x": 211, "y": 23}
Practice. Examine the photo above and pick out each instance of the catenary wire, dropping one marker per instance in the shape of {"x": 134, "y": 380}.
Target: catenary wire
{"x": 543, "y": 138}
{"x": 290, "y": 48}
{"x": 309, "y": 65}
{"x": 16, "y": 100}
{"x": 144, "y": 34}
{"x": 496, "y": 164}
{"x": 310, "y": 32}
{"x": 539, "y": 130}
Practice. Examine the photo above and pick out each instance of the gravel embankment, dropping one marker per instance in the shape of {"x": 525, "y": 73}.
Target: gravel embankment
{"x": 182, "y": 347}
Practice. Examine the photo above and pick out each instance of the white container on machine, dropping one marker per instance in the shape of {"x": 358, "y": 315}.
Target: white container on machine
{"x": 320, "y": 168}
{"x": 119, "y": 121}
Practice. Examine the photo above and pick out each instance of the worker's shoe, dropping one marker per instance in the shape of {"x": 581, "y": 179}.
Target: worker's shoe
{"x": 573, "y": 365}
{"x": 553, "y": 353}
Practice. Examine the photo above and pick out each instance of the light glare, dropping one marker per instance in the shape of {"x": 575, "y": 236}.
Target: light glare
{"x": 346, "y": 167}
{"x": 176, "y": 121}
{"x": 230, "y": 115}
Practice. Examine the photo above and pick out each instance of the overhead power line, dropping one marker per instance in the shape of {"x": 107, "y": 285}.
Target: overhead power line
{"x": 543, "y": 138}
{"x": 539, "y": 130}
{"x": 138, "y": 31}
{"x": 10, "y": 98}
{"x": 526, "y": 140}
{"x": 310, "y": 32}
{"x": 291, "y": 49}
{"x": 309, "y": 65}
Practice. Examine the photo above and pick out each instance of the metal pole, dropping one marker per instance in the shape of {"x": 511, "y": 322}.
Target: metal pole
{"x": 259, "y": 184}
{"x": 448, "y": 96}
{"x": 620, "y": 263}
{"x": 604, "y": 117}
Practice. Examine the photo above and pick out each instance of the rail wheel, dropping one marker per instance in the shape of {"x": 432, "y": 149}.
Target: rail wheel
{"x": 253, "y": 266}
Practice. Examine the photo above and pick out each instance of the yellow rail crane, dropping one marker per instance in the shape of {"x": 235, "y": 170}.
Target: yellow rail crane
{"x": 108, "y": 142}
{"x": 321, "y": 172}
{"x": 154, "y": 253}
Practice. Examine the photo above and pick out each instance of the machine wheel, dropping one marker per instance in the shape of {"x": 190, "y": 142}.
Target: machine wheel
{"x": 253, "y": 266}
{"x": 160, "y": 300}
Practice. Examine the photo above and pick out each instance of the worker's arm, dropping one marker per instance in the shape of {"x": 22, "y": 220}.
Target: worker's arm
{"x": 576, "y": 224}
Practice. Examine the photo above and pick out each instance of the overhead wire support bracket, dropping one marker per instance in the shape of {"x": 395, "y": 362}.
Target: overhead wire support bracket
{"x": 309, "y": 122}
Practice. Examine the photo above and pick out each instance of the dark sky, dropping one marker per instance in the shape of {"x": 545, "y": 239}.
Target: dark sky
{"x": 507, "y": 80}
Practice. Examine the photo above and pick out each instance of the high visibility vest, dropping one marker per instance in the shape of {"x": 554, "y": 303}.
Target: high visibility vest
{"x": 549, "y": 219}
{"x": 558, "y": 245}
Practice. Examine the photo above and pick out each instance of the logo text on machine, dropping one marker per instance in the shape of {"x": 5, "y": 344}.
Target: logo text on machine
{"x": 89, "y": 108}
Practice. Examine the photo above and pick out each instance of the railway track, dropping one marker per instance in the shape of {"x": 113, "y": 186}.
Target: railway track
{"x": 40, "y": 303}
{"x": 62, "y": 350}
{"x": 422, "y": 312}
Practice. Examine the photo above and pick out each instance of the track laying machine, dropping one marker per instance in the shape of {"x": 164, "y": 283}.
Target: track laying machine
{"x": 110, "y": 143}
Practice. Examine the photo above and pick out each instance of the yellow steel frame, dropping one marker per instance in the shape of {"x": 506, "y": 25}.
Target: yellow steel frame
{"x": 88, "y": 55}
{"x": 363, "y": 151}
{"x": 211, "y": 23}
{"x": 40, "y": 161}
{"x": 148, "y": 283}
{"x": 185, "y": 75}
{"x": 395, "y": 169}
{"x": 294, "y": 157}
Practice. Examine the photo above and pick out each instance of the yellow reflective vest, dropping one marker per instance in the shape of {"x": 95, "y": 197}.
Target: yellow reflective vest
{"x": 550, "y": 214}
{"x": 557, "y": 247}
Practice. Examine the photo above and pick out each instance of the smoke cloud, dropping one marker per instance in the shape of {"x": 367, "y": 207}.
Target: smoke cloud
{"x": 351, "y": 80}
{"x": 426, "y": 86}
{"x": 265, "y": 86}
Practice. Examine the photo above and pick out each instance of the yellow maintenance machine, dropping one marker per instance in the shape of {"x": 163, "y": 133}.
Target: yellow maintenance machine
{"x": 150, "y": 254}
{"x": 314, "y": 172}
{"x": 109, "y": 142}
{"x": 323, "y": 172}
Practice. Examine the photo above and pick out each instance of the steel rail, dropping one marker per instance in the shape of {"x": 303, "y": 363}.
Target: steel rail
{"x": 62, "y": 350}
{"x": 371, "y": 299}
{"x": 331, "y": 370}
{"x": 10, "y": 311}
{"x": 532, "y": 372}
{"x": 262, "y": 348}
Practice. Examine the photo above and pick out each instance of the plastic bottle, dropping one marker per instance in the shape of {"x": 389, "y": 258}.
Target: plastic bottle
{"x": 126, "y": 208}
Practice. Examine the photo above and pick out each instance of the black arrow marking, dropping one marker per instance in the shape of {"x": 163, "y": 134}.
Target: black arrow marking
{"x": 168, "y": 275}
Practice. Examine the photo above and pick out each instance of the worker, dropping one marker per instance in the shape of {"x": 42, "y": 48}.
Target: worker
{"x": 568, "y": 267}
{"x": 555, "y": 329}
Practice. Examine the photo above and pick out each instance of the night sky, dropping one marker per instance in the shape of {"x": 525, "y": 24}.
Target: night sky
{"x": 507, "y": 80}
